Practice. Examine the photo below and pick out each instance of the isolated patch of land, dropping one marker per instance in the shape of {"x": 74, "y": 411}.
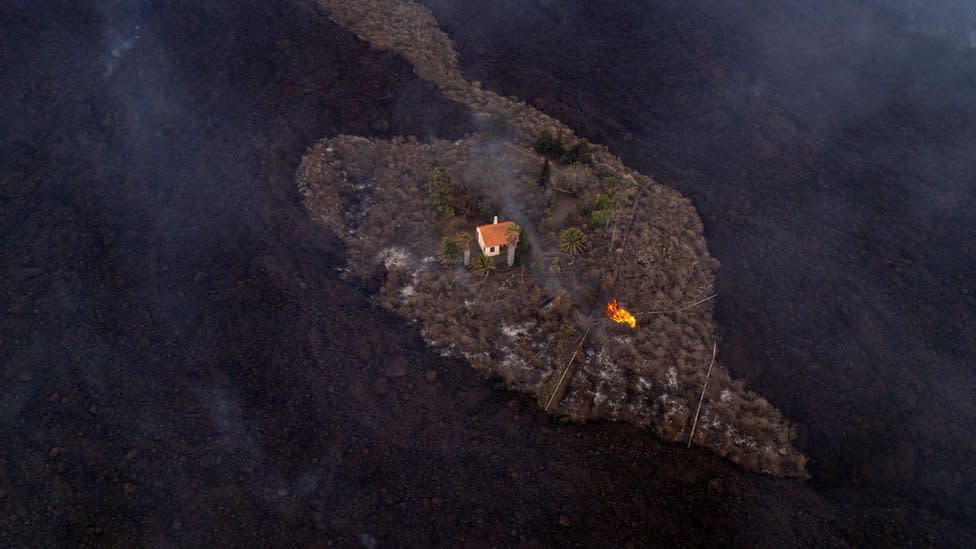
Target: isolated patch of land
{"x": 539, "y": 325}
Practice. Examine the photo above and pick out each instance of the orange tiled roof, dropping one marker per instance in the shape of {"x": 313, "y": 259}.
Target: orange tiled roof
{"x": 493, "y": 234}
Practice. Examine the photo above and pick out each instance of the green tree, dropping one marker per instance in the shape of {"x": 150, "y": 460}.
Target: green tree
{"x": 450, "y": 252}
{"x": 464, "y": 240}
{"x": 512, "y": 234}
{"x": 550, "y": 146}
{"x": 483, "y": 265}
{"x": 546, "y": 175}
{"x": 439, "y": 193}
{"x": 572, "y": 241}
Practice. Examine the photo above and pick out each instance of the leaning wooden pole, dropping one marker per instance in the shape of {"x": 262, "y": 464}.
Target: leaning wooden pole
{"x": 562, "y": 377}
{"x": 694, "y": 424}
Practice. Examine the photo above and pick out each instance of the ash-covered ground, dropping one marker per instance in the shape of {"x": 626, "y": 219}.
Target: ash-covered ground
{"x": 182, "y": 364}
{"x": 829, "y": 151}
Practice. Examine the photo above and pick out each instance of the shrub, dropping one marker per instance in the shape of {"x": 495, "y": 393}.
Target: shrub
{"x": 574, "y": 179}
{"x": 550, "y": 146}
{"x": 577, "y": 154}
{"x": 602, "y": 202}
{"x": 600, "y": 212}
{"x": 439, "y": 194}
{"x": 611, "y": 185}
{"x": 600, "y": 218}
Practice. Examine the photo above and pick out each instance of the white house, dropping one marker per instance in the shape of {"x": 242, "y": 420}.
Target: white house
{"x": 492, "y": 237}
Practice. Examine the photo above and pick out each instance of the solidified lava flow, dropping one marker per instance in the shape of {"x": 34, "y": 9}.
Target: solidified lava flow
{"x": 195, "y": 351}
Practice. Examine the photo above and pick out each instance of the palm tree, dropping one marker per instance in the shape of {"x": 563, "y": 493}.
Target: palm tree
{"x": 572, "y": 241}
{"x": 464, "y": 240}
{"x": 483, "y": 265}
{"x": 450, "y": 252}
{"x": 512, "y": 234}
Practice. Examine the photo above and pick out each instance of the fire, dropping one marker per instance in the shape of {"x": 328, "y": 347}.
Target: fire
{"x": 620, "y": 315}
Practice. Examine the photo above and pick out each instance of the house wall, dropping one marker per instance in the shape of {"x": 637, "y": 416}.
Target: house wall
{"x": 490, "y": 252}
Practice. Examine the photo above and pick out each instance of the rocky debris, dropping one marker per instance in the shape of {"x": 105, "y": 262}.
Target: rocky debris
{"x": 397, "y": 368}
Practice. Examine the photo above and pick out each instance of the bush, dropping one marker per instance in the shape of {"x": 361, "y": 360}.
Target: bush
{"x": 545, "y": 175}
{"x": 577, "y": 154}
{"x": 599, "y": 219}
{"x": 439, "y": 194}
{"x": 602, "y": 202}
{"x": 550, "y": 146}
{"x": 574, "y": 179}
{"x": 611, "y": 185}
{"x": 598, "y": 213}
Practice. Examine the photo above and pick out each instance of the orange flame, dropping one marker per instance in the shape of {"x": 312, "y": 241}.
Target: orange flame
{"x": 620, "y": 315}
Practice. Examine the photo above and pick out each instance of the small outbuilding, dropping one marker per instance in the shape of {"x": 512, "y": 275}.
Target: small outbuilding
{"x": 493, "y": 237}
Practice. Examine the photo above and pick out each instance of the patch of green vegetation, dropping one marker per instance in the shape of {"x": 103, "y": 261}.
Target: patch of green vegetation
{"x": 439, "y": 194}
{"x": 577, "y": 154}
{"x": 483, "y": 265}
{"x": 450, "y": 252}
{"x": 610, "y": 184}
{"x": 599, "y": 219}
{"x": 550, "y": 146}
{"x": 545, "y": 175}
{"x": 599, "y": 212}
{"x": 572, "y": 241}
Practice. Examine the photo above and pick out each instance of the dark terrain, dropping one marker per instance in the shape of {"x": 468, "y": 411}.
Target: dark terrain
{"x": 183, "y": 366}
{"x": 831, "y": 154}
